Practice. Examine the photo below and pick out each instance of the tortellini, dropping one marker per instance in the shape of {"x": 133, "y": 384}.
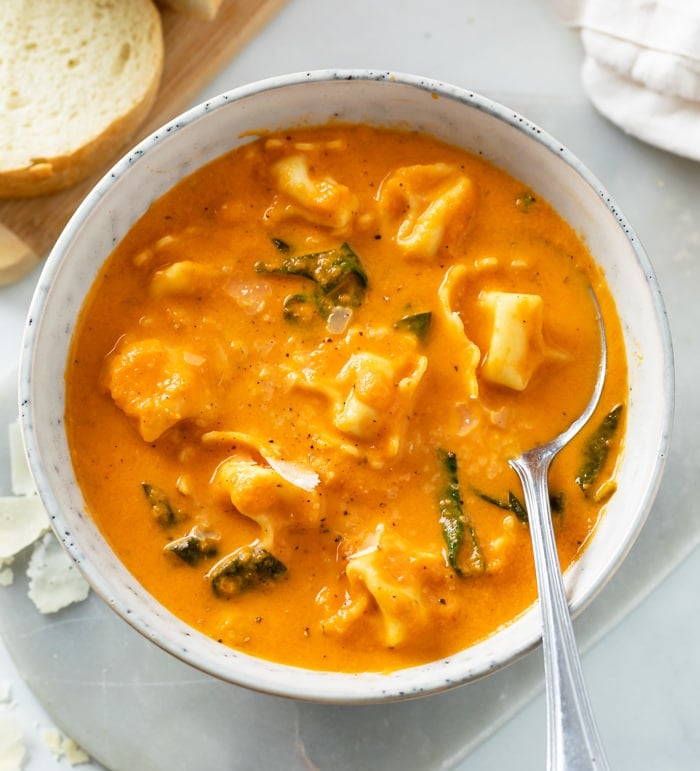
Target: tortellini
{"x": 185, "y": 277}
{"x": 370, "y": 398}
{"x": 426, "y": 204}
{"x": 464, "y": 351}
{"x": 262, "y": 494}
{"x": 407, "y": 588}
{"x": 158, "y": 384}
{"x": 381, "y": 392}
{"x": 516, "y": 345}
{"x": 322, "y": 201}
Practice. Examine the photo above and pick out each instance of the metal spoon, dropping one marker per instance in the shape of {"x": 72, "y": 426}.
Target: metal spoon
{"x": 573, "y": 742}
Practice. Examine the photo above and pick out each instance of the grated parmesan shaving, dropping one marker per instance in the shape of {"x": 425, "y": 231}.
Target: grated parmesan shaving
{"x": 64, "y": 747}
{"x": 54, "y": 581}
{"x": 22, "y": 520}
{"x": 296, "y": 475}
{"x": 12, "y": 750}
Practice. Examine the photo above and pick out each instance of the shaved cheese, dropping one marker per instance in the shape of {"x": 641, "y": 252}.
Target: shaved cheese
{"x": 12, "y": 750}
{"x": 22, "y": 481}
{"x": 64, "y": 747}
{"x": 22, "y": 520}
{"x": 54, "y": 581}
{"x": 52, "y": 739}
{"x": 295, "y": 474}
{"x": 73, "y": 753}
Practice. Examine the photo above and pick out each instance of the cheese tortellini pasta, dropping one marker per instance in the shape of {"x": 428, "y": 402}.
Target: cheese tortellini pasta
{"x": 426, "y": 206}
{"x": 158, "y": 385}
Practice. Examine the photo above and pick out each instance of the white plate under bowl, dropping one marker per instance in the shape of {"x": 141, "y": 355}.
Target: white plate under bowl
{"x": 222, "y": 123}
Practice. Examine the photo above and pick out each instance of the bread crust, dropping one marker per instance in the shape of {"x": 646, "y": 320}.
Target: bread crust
{"x": 46, "y": 175}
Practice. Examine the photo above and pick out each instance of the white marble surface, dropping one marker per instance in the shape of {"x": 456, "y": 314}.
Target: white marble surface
{"x": 641, "y": 661}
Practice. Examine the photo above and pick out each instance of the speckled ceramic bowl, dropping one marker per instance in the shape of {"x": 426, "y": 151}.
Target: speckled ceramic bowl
{"x": 206, "y": 131}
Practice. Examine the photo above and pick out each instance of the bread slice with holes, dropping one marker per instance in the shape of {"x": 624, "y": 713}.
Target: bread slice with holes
{"x": 77, "y": 79}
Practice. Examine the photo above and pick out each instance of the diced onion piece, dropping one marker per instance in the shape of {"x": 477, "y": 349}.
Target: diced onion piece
{"x": 194, "y": 359}
{"x": 338, "y": 320}
{"x": 250, "y": 295}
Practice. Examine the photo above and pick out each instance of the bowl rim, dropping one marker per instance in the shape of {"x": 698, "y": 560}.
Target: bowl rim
{"x": 266, "y": 676}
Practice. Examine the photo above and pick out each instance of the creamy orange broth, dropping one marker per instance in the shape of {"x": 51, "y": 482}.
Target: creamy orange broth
{"x": 322, "y": 437}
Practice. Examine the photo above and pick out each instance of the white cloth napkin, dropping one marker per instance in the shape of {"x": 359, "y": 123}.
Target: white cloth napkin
{"x": 642, "y": 66}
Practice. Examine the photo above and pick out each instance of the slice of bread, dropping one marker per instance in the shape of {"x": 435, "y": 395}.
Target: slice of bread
{"x": 203, "y": 9}
{"x": 77, "y": 78}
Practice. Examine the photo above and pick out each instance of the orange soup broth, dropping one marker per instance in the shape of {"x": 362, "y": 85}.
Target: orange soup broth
{"x": 221, "y": 216}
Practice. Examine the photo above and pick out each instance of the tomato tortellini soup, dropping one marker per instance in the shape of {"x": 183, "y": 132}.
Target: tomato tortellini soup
{"x": 296, "y": 384}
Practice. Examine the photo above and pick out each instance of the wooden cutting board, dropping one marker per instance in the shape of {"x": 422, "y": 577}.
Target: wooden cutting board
{"x": 195, "y": 51}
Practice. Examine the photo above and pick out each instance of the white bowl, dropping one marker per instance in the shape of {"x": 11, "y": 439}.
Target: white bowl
{"x": 220, "y": 124}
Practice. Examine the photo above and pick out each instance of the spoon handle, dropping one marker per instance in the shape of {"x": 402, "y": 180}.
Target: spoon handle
{"x": 573, "y": 742}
